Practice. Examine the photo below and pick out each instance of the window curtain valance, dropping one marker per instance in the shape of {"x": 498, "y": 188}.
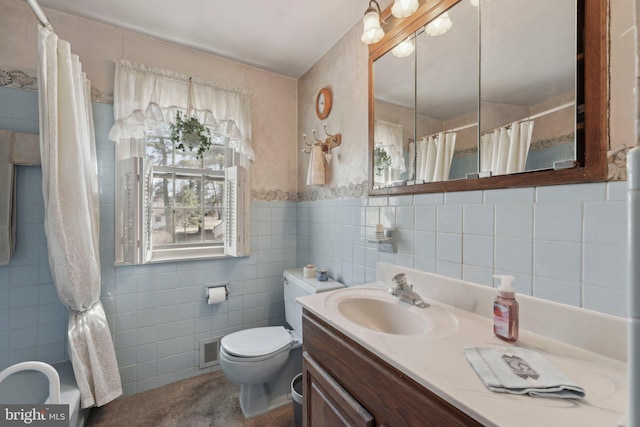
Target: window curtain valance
{"x": 148, "y": 98}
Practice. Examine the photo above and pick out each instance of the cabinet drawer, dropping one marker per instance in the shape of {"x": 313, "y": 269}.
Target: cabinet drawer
{"x": 326, "y": 403}
{"x": 393, "y": 398}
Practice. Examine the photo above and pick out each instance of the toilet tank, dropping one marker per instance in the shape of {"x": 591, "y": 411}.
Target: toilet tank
{"x": 296, "y": 285}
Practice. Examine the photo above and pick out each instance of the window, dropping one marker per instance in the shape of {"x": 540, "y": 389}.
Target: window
{"x": 187, "y": 194}
{"x": 173, "y": 205}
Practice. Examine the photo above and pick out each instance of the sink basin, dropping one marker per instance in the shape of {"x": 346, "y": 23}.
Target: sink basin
{"x": 382, "y": 316}
{"x": 374, "y": 309}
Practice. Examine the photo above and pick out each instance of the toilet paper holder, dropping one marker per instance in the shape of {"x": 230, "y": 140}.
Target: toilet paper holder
{"x": 215, "y": 286}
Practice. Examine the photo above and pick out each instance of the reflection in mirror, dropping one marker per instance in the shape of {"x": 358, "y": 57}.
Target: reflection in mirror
{"x": 528, "y": 85}
{"x": 394, "y": 125}
{"x": 440, "y": 80}
{"x": 447, "y": 96}
{"x": 542, "y": 65}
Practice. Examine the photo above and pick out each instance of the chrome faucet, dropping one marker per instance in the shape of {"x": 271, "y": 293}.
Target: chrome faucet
{"x": 404, "y": 291}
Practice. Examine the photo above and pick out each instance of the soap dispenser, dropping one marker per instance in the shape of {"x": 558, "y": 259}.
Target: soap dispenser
{"x": 505, "y": 310}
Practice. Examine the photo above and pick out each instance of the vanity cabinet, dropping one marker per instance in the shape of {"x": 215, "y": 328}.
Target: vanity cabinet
{"x": 345, "y": 384}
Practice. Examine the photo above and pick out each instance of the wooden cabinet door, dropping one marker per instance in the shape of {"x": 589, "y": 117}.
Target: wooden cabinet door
{"x": 326, "y": 403}
{"x": 392, "y": 398}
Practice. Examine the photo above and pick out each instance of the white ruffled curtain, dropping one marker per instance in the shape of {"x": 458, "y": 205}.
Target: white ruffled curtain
{"x": 434, "y": 155}
{"x": 148, "y": 98}
{"x": 388, "y": 136}
{"x": 505, "y": 150}
{"x": 72, "y": 217}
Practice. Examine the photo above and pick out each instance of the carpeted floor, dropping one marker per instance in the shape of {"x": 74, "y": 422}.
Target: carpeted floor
{"x": 208, "y": 400}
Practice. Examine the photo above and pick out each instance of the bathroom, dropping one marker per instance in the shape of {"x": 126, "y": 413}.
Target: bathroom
{"x": 156, "y": 312}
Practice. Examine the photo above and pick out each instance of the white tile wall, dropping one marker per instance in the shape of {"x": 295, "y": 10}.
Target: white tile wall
{"x": 558, "y": 260}
{"x": 558, "y": 221}
{"x": 563, "y": 243}
{"x": 514, "y": 220}
{"x": 158, "y": 314}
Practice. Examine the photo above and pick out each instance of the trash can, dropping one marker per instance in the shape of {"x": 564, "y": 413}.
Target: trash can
{"x": 296, "y": 393}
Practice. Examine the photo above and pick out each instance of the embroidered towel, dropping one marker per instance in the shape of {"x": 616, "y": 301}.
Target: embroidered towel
{"x": 520, "y": 371}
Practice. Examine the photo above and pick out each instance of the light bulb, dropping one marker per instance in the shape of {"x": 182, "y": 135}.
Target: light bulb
{"x": 404, "y": 8}
{"x": 404, "y": 48}
{"x": 372, "y": 30}
{"x": 440, "y": 25}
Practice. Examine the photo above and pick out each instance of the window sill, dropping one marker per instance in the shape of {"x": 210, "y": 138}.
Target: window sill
{"x": 177, "y": 255}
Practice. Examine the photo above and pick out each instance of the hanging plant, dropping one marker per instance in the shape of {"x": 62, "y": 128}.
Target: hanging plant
{"x": 188, "y": 132}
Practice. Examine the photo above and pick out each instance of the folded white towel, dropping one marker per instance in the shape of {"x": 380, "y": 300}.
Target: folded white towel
{"x": 316, "y": 172}
{"x": 7, "y": 198}
{"x": 520, "y": 371}
{"x": 25, "y": 149}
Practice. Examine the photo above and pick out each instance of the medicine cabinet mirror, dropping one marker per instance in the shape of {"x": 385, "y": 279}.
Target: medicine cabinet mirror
{"x": 478, "y": 94}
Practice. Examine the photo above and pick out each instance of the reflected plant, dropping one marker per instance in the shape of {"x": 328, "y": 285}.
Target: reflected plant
{"x": 381, "y": 160}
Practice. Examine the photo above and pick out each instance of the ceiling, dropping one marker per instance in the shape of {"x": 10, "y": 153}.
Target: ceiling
{"x": 284, "y": 36}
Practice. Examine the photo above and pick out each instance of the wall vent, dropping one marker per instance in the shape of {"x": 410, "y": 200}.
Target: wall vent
{"x": 209, "y": 352}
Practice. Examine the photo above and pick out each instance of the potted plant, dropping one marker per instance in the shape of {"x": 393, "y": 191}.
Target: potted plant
{"x": 188, "y": 130}
{"x": 381, "y": 160}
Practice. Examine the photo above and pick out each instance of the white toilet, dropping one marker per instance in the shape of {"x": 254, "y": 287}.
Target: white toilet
{"x": 265, "y": 360}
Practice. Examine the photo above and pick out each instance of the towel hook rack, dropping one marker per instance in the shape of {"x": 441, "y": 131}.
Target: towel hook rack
{"x": 327, "y": 144}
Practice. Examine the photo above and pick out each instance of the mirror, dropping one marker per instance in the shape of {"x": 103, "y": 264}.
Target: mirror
{"x": 513, "y": 118}
{"x": 447, "y": 101}
{"x": 394, "y": 127}
{"x": 527, "y": 85}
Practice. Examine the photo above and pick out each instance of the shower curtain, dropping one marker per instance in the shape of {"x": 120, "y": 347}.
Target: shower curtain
{"x": 70, "y": 190}
{"x": 433, "y": 156}
{"x": 504, "y": 150}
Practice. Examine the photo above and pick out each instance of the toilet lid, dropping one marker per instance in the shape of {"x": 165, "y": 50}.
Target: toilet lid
{"x": 256, "y": 341}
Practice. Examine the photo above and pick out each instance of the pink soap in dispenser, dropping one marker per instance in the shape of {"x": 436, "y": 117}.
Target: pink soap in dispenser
{"x": 505, "y": 310}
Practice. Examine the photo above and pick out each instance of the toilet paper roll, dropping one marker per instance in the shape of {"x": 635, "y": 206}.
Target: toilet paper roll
{"x": 216, "y": 295}
{"x": 309, "y": 270}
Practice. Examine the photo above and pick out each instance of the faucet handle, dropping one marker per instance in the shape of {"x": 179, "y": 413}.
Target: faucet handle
{"x": 400, "y": 280}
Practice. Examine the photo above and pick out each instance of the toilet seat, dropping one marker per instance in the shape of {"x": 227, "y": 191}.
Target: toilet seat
{"x": 257, "y": 342}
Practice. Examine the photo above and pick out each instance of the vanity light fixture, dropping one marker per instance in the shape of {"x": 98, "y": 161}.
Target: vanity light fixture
{"x": 372, "y": 30}
{"x": 372, "y": 21}
{"x": 404, "y": 48}
{"x": 404, "y": 8}
{"x": 440, "y": 25}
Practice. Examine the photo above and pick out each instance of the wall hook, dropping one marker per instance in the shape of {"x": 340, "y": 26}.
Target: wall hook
{"x": 313, "y": 131}
{"x": 304, "y": 150}
{"x": 330, "y": 142}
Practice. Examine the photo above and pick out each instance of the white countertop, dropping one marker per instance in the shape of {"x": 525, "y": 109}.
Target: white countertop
{"x": 437, "y": 361}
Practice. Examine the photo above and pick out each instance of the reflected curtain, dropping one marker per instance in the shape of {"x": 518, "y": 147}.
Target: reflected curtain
{"x": 434, "y": 155}
{"x": 505, "y": 149}
{"x": 72, "y": 218}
